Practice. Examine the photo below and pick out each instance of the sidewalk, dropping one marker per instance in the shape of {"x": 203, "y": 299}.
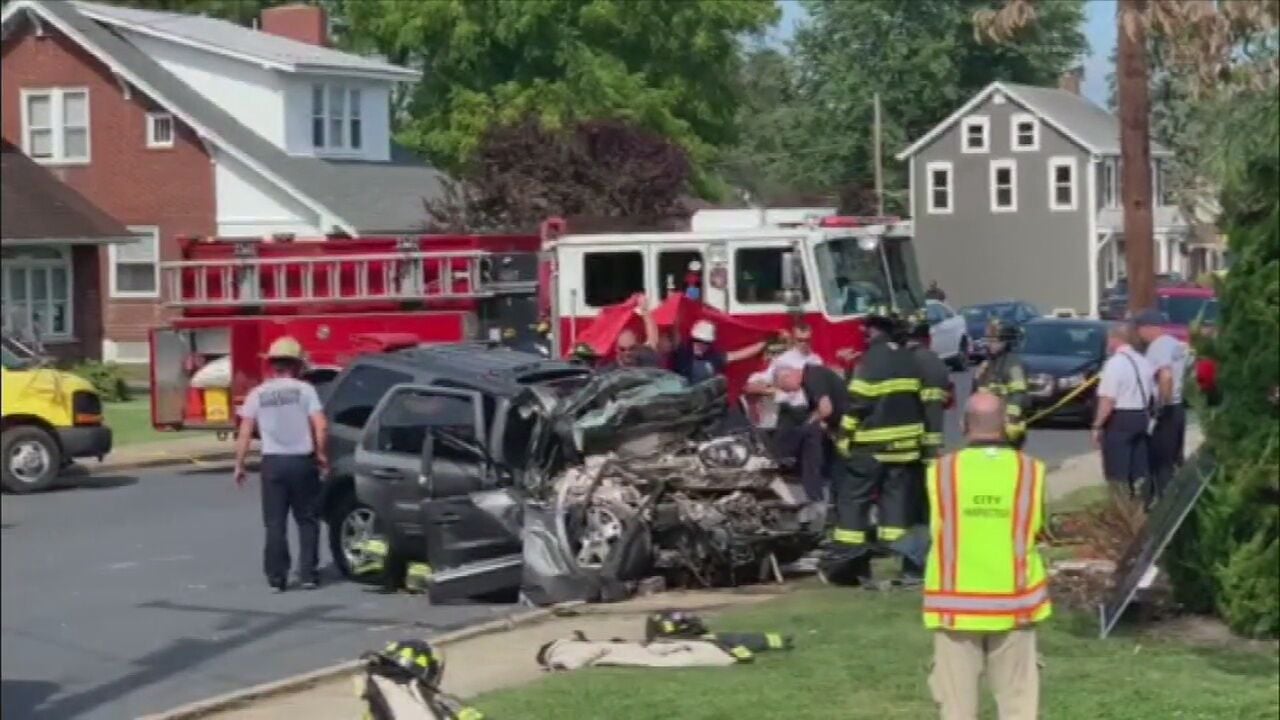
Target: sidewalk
{"x": 494, "y": 660}
{"x": 1085, "y": 470}
{"x": 179, "y": 451}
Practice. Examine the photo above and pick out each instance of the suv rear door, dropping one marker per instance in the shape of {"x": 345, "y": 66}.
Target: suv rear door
{"x": 422, "y": 457}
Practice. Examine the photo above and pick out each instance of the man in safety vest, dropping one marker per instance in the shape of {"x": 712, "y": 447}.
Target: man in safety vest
{"x": 985, "y": 583}
{"x": 1003, "y": 375}
{"x": 880, "y": 444}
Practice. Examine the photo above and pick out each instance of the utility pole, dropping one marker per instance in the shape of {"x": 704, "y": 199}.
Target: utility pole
{"x": 875, "y": 133}
{"x": 1135, "y": 154}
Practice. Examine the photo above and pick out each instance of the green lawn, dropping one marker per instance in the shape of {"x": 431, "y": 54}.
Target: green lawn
{"x": 130, "y": 423}
{"x": 865, "y": 655}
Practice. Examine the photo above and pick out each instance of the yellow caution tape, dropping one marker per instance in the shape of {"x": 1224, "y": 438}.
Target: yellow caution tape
{"x": 1065, "y": 399}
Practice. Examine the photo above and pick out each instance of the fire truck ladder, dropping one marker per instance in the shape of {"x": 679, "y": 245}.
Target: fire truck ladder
{"x": 396, "y": 276}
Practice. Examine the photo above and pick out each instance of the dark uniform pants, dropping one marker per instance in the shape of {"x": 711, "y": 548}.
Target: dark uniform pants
{"x": 808, "y": 444}
{"x": 1166, "y": 448}
{"x": 868, "y": 482}
{"x": 1125, "y": 448}
{"x": 290, "y": 483}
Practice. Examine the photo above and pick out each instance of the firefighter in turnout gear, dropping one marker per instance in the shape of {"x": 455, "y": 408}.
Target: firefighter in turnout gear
{"x": 881, "y": 446}
{"x": 935, "y": 389}
{"x": 1002, "y": 375}
{"x": 402, "y": 682}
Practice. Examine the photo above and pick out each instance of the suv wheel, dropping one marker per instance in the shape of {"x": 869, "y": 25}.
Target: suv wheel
{"x": 31, "y": 458}
{"x": 350, "y": 525}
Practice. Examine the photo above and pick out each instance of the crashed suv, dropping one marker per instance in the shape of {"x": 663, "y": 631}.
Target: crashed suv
{"x": 511, "y": 471}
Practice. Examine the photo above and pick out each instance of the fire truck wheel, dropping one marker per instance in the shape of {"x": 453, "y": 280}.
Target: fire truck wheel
{"x": 31, "y": 459}
{"x": 350, "y": 523}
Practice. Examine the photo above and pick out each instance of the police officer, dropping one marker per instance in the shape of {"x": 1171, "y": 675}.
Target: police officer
{"x": 986, "y": 508}
{"x": 287, "y": 414}
{"x": 881, "y": 442}
{"x": 1003, "y": 375}
{"x": 1122, "y": 422}
{"x": 935, "y": 383}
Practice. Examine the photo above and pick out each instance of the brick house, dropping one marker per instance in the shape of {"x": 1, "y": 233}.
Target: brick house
{"x": 182, "y": 125}
{"x": 50, "y": 237}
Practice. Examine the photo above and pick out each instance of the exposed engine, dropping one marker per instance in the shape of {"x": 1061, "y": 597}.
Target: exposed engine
{"x": 710, "y": 513}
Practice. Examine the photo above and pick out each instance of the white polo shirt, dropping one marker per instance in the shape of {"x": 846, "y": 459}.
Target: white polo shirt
{"x": 1168, "y": 352}
{"x": 1129, "y": 379}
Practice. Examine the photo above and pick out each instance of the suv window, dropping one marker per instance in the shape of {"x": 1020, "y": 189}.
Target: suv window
{"x": 402, "y": 426}
{"x": 608, "y": 278}
{"x": 352, "y": 401}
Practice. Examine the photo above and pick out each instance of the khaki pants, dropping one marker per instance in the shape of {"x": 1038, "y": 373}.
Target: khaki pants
{"x": 1010, "y": 662}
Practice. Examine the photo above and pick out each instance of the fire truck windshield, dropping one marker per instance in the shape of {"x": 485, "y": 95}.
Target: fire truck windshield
{"x": 854, "y": 279}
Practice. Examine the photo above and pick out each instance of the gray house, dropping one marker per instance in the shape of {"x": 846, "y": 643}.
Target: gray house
{"x": 1017, "y": 194}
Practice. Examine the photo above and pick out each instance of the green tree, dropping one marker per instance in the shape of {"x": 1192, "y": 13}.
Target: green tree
{"x": 665, "y": 65}
{"x": 923, "y": 59}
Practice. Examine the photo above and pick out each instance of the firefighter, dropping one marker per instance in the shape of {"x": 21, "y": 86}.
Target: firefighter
{"x": 935, "y": 382}
{"x": 1002, "y": 375}
{"x": 287, "y": 414}
{"x": 881, "y": 443}
{"x": 986, "y": 507}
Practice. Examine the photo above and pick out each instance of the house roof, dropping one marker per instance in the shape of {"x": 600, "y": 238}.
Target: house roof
{"x": 1075, "y": 116}
{"x": 363, "y": 197}
{"x": 36, "y": 205}
{"x": 228, "y": 38}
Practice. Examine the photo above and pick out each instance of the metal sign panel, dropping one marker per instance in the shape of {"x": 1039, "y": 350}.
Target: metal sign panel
{"x": 1137, "y": 567}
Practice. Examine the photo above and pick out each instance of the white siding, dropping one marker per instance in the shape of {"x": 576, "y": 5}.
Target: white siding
{"x": 250, "y": 93}
{"x": 375, "y": 116}
{"x": 249, "y": 205}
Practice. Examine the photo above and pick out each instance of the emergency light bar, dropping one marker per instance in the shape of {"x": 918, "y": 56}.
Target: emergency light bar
{"x": 853, "y": 221}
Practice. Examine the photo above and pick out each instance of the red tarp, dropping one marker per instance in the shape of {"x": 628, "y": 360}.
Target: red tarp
{"x": 677, "y": 312}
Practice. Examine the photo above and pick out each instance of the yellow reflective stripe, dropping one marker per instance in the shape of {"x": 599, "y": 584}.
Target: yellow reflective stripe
{"x": 994, "y": 388}
{"x": 741, "y": 653}
{"x": 889, "y": 534}
{"x": 1017, "y": 386}
{"x": 1015, "y": 430}
{"x": 892, "y": 432}
{"x": 849, "y": 537}
{"x": 842, "y": 446}
{"x": 898, "y": 457}
{"x": 931, "y": 394}
{"x": 1013, "y": 411}
{"x": 773, "y": 640}
{"x": 373, "y": 547}
{"x": 422, "y": 570}
{"x": 880, "y": 388}
{"x": 668, "y": 627}
{"x": 470, "y": 713}
{"x": 849, "y": 423}
{"x": 931, "y": 438}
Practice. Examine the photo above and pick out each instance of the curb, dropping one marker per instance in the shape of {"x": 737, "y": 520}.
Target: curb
{"x": 296, "y": 683}
{"x": 166, "y": 461}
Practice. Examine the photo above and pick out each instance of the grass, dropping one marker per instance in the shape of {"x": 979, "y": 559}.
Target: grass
{"x": 130, "y": 423}
{"x": 866, "y": 655}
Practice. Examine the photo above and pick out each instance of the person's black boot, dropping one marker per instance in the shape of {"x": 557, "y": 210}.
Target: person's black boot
{"x": 278, "y": 585}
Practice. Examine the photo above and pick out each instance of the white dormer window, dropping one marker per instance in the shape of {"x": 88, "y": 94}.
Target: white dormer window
{"x": 335, "y": 118}
{"x": 159, "y": 130}
{"x": 1024, "y": 129}
{"x": 1004, "y": 186}
{"x": 975, "y": 134}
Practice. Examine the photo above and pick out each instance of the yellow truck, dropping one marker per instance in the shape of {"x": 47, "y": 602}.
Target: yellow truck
{"x": 49, "y": 418}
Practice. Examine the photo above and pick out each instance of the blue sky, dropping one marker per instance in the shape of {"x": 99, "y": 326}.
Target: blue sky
{"x": 1100, "y": 28}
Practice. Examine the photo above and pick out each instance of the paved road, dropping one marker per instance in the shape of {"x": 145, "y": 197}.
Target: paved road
{"x": 1053, "y": 445}
{"x": 123, "y": 596}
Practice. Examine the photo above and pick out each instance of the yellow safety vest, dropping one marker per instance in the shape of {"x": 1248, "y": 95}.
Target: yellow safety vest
{"x": 984, "y": 573}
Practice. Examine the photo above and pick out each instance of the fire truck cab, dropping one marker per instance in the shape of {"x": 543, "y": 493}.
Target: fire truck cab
{"x": 827, "y": 272}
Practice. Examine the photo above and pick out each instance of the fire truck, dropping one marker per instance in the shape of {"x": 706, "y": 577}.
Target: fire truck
{"x": 344, "y": 297}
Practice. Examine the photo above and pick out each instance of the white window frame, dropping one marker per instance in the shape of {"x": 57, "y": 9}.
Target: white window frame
{"x": 31, "y": 265}
{"x": 1017, "y": 119}
{"x": 113, "y": 264}
{"x": 929, "y": 169}
{"x": 1012, "y": 166}
{"x": 57, "y": 126}
{"x": 351, "y": 119}
{"x": 982, "y": 121}
{"x": 1061, "y": 161}
{"x": 1111, "y": 189}
{"x": 156, "y": 117}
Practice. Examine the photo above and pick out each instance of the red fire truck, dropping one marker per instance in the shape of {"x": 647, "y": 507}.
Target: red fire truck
{"x": 344, "y": 297}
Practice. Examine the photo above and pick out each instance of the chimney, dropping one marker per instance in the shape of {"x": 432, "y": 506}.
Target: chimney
{"x": 304, "y": 23}
{"x": 1070, "y": 80}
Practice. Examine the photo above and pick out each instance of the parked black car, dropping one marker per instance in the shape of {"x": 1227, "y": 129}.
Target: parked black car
{"x": 976, "y": 318}
{"x": 1060, "y": 355}
{"x": 497, "y": 375}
